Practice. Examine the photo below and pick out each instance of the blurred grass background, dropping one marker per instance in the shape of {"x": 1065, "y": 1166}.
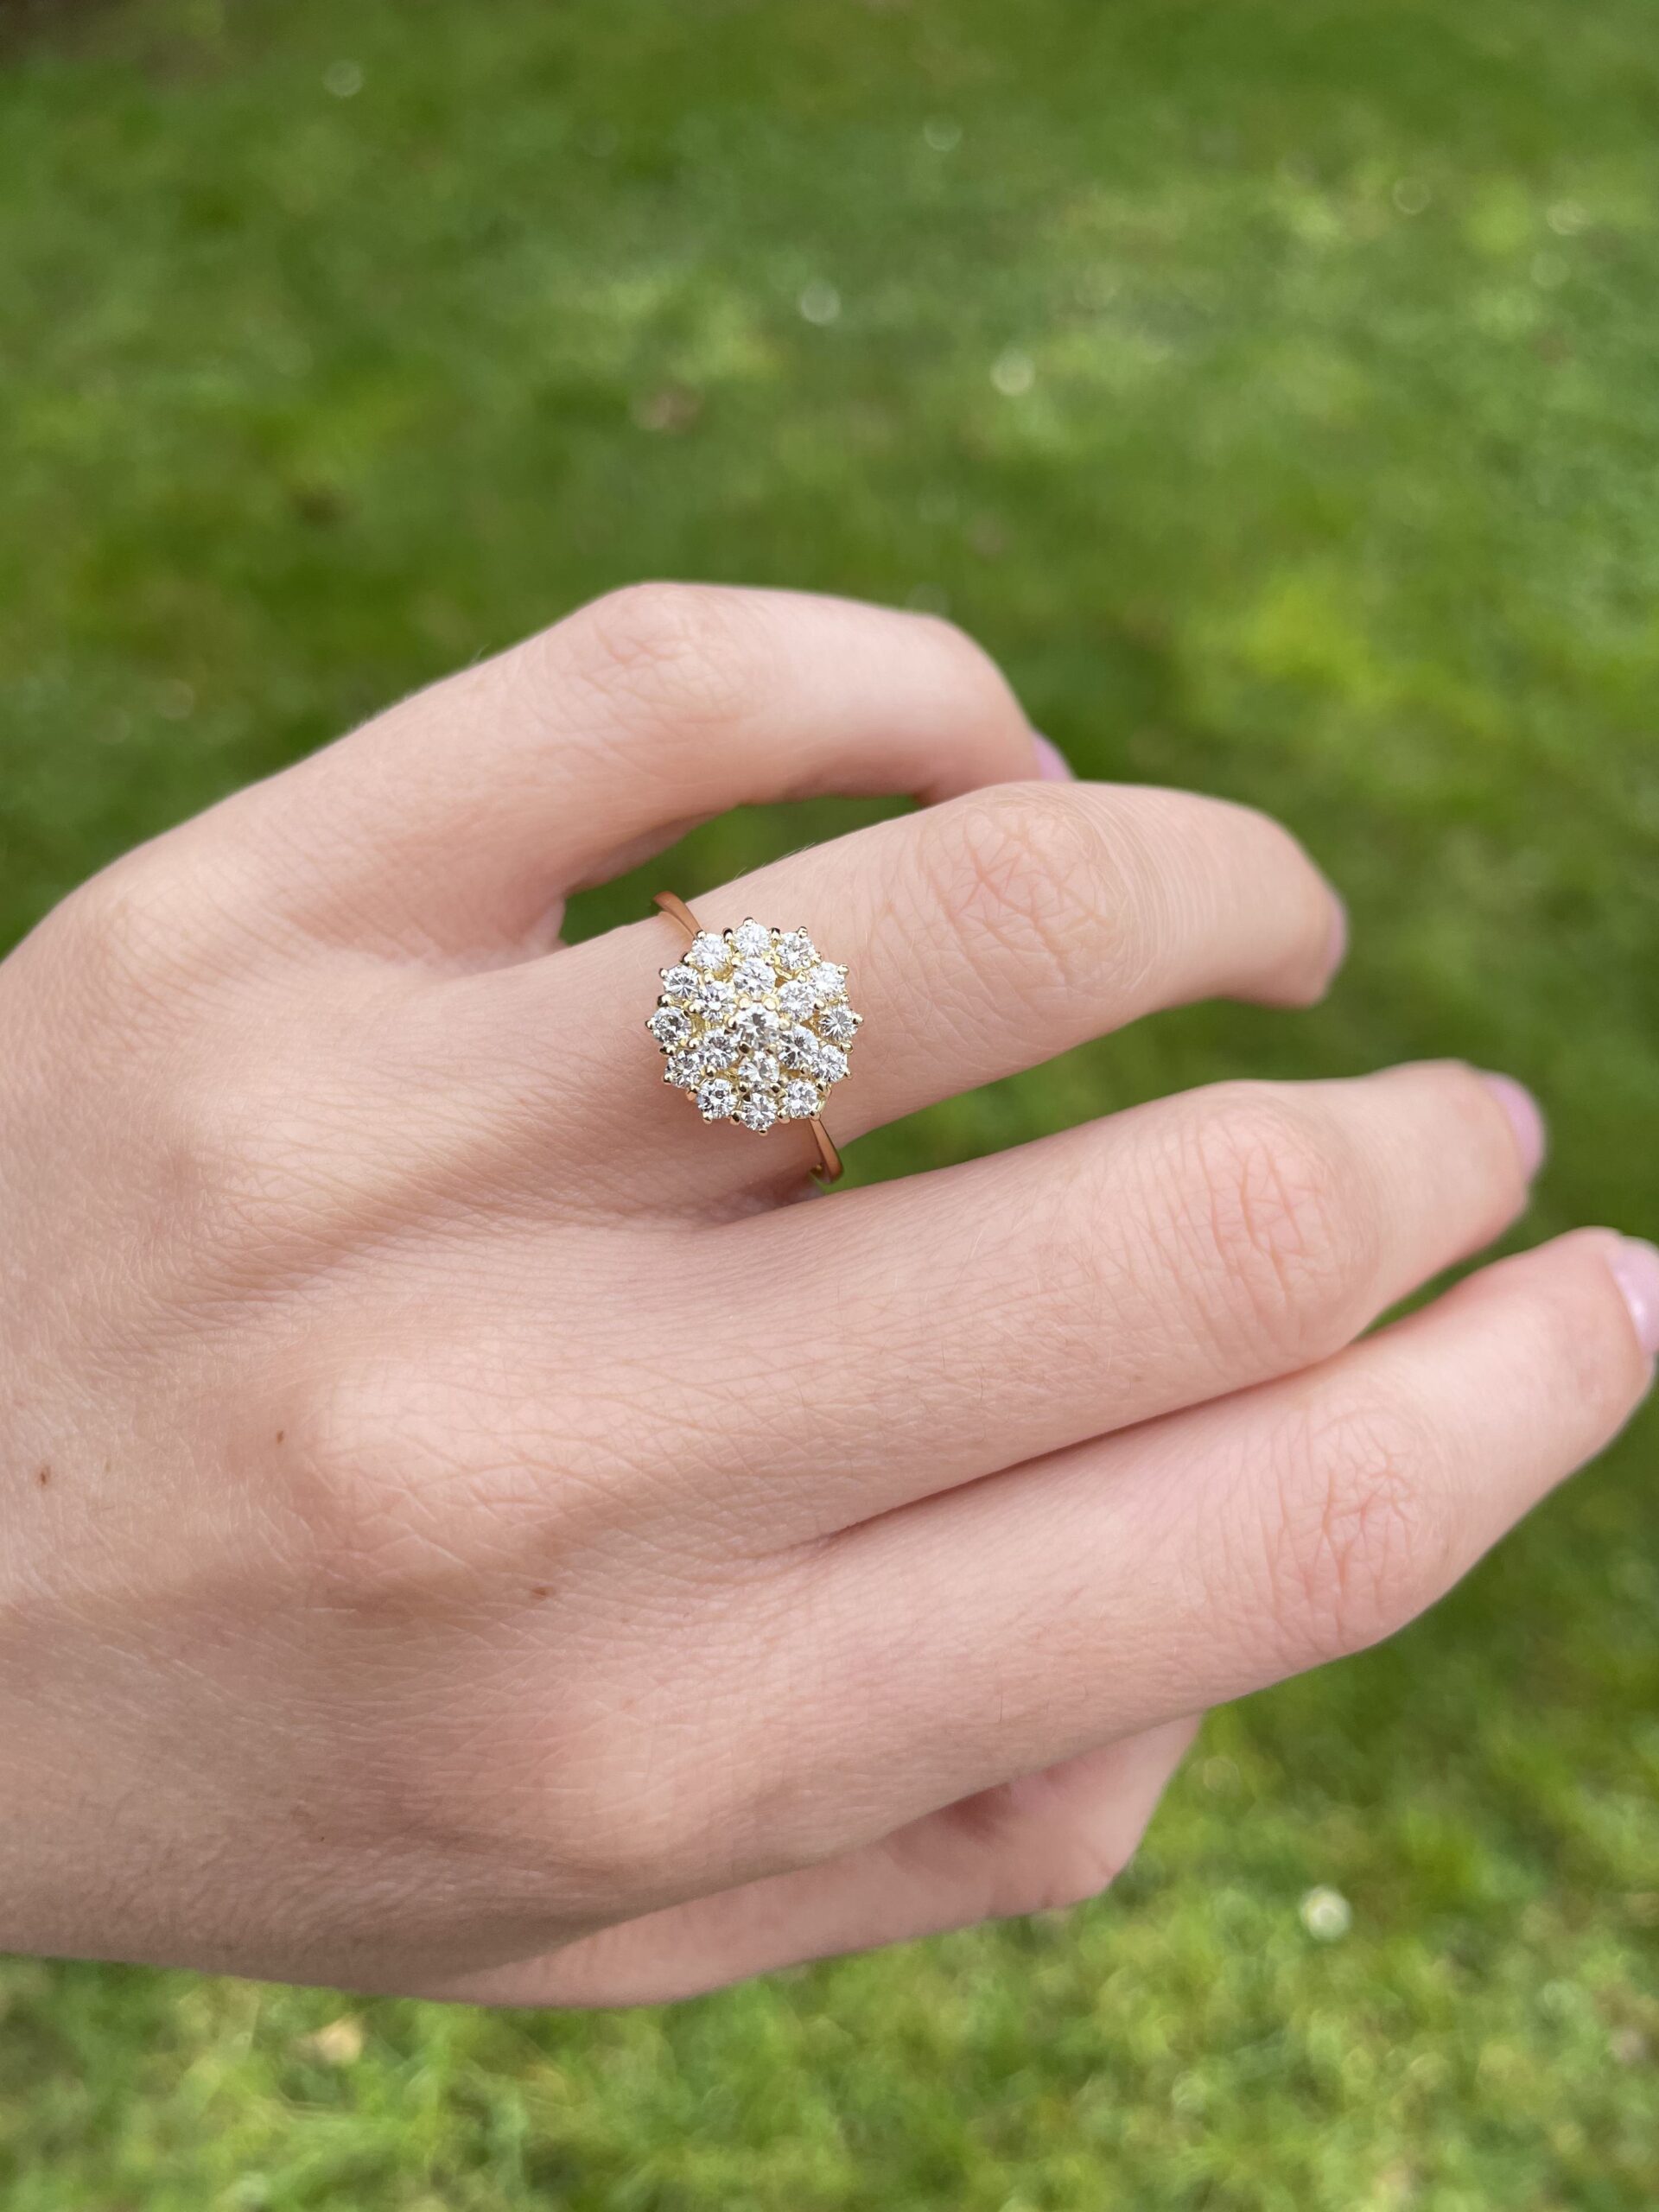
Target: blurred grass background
{"x": 1274, "y": 386}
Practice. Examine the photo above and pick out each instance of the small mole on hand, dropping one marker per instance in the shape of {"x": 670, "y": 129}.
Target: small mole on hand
{"x": 281, "y": 1433}
{"x": 44, "y": 1476}
{"x": 540, "y": 1590}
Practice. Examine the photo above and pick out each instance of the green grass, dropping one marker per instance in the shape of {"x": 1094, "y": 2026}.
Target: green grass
{"x": 1332, "y": 484}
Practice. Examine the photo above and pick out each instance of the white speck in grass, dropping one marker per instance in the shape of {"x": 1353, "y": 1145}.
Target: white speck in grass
{"x": 343, "y": 78}
{"x": 1410, "y": 195}
{"x": 1567, "y": 218}
{"x": 339, "y": 2044}
{"x": 819, "y": 302}
{"x": 1014, "y": 373}
{"x": 176, "y": 699}
{"x": 928, "y": 599}
{"x": 942, "y": 133}
{"x": 1550, "y": 272}
{"x": 1326, "y": 1915}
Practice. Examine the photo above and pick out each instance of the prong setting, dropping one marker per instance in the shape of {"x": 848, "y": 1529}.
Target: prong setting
{"x": 753, "y": 1025}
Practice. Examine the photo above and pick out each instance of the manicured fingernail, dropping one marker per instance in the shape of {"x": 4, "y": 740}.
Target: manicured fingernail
{"x": 1635, "y": 1270}
{"x": 1051, "y": 763}
{"x": 1526, "y": 1119}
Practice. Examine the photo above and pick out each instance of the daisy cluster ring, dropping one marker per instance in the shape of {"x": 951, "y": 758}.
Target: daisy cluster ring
{"x": 754, "y": 1026}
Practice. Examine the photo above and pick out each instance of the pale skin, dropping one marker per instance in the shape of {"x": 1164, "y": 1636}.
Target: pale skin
{"x": 467, "y": 1532}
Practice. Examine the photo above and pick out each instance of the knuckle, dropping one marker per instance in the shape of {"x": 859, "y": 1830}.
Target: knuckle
{"x": 681, "y": 656}
{"x": 615, "y": 1786}
{"x": 420, "y": 1467}
{"x": 961, "y": 661}
{"x": 366, "y": 1479}
{"x": 1032, "y": 877}
{"x": 1358, "y": 1531}
{"x": 647, "y": 1774}
{"x": 254, "y": 1173}
{"x": 218, "y": 1153}
{"x": 131, "y": 936}
{"x": 644, "y": 1830}
{"x": 1268, "y": 1212}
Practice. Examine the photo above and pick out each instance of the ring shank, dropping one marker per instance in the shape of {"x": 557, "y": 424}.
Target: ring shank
{"x": 829, "y": 1164}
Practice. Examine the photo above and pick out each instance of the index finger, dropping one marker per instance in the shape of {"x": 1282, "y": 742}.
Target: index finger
{"x": 460, "y": 818}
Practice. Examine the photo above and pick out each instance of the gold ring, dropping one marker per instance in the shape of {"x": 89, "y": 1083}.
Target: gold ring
{"x": 754, "y": 1026}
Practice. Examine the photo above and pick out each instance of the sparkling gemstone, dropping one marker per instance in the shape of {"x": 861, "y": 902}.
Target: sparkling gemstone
{"x": 798, "y": 1048}
{"x": 753, "y": 976}
{"x": 710, "y": 953}
{"x": 759, "y": 1071}
{"x": 753, "y": 1025}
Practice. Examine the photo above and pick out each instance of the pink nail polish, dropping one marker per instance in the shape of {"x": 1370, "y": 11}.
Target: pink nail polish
{"x": 1635, "y": 1270}
{"x": 1526, "y": 1119}
{"x": 1051, "y": 763}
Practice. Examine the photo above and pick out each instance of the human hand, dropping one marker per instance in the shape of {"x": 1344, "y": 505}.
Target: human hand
{"x": 466, "y": 1534}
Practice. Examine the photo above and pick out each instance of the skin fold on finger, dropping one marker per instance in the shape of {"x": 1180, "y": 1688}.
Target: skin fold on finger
{"x": 457, "y": 821}
{"x": 981, "y": 937}
{"x": 1196, "y": 1558}
{"x": 999, "y": 1310}
{"x": 1043, "y": 1841}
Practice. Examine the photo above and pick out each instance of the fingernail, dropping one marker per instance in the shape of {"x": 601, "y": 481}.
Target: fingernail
{"x": 1051, "y": 763}
{"x": 1526, "y": 1119}
{"x": 1635, "y": 1270}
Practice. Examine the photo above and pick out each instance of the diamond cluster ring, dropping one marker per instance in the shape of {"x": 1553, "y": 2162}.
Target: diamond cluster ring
{"x": 754, "y": 1026}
